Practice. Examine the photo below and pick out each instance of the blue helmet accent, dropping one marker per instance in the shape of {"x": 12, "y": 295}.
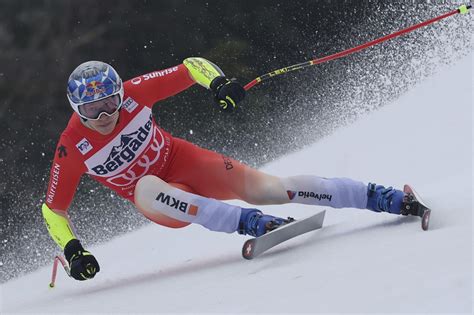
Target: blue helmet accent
{"x": 92, "y": 81}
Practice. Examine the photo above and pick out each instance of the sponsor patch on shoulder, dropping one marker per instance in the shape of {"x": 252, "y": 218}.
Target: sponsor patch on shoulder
{"x": 84, "y": 146}
{"x": 129, "y": 104}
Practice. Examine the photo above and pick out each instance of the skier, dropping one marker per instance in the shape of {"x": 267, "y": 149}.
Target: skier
{"x": 113, "y": 137}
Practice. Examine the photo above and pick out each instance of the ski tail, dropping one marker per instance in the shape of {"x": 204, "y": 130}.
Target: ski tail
{"x": 424, "y": 210}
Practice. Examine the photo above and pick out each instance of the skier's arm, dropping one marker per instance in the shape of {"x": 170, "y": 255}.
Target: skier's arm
{"x": 155, "y": 86}
{"x": 227, "y": 93}
{"x": 64, "y": 179}
{"x": 82, "y": 264}
{"x": 158, "y": 85}
{"x": 58, "y": 226}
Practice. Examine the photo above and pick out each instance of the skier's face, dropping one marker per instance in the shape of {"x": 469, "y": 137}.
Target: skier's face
{"x": 105, "y": 124}
{"x": 94, "y": 110}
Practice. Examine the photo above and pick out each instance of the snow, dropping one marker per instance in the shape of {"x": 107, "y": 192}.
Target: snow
{"x": 359, "y": 262}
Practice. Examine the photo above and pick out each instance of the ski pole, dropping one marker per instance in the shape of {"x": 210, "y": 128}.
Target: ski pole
{"x": 462, "y": 10}
{"x": 58, "y": 259}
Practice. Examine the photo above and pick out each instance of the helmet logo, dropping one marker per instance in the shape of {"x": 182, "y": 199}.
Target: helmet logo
{"x": 95, "y": 87}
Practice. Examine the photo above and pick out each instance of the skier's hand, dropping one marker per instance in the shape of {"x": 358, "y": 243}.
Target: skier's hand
{"x": 82, "y": 264}
{"x": 227, "y": 93}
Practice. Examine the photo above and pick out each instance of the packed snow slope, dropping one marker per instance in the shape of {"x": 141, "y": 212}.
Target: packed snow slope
{"x": 359, "y": 262}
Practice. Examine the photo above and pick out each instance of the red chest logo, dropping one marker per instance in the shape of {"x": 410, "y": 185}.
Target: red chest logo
{"x": 130, "y": 154}
{"x": 141, "y": 167}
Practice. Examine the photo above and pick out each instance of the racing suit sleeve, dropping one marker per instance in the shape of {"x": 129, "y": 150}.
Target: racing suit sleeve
{"x": 65, "y": 174}
{"x": 158, "y": 85}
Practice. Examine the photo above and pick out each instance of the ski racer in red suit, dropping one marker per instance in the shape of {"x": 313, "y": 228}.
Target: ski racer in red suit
{"x": 112, "y": 137}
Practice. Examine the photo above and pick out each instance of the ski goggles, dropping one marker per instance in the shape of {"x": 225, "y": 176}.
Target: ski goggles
{"x": 106, "y": 106}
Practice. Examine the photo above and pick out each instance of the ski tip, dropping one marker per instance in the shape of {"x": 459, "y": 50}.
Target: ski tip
{"x": 248, "y": 249}
{"x": 425, "y": 220}
{"x": 323, "y": 213}
{"x": 407, "y": 189}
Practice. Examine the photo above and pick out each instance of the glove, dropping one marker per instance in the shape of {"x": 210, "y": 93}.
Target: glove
{"x": 82, "y": 264}
{"x": 227, "y": 93}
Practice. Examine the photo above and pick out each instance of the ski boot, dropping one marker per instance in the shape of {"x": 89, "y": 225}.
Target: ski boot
{"x": 253, "y": 222}
{"x": 405, "y": 202}
{"x": 384, "y": 199}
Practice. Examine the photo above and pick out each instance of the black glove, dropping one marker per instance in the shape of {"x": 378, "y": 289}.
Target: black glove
{"x": 227, "y": 93}
{"x": 82, "y": 264}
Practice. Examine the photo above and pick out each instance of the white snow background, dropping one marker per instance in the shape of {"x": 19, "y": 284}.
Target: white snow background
{"x": 359, "y": 262}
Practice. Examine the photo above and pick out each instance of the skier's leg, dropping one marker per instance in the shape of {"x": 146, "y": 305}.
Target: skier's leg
{"x": 213, "y": 175}
{"x": 342, "y": 193}
{"x": 155, "y": 198}
{"x": 165, "y": 220}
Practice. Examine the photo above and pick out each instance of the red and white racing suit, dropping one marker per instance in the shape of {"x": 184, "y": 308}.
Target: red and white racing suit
{"x": 138, "y": 147}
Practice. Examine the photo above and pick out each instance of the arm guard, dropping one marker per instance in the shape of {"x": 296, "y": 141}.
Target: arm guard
{"x": 202, "y": 71}
{"x": 58, "y": 227}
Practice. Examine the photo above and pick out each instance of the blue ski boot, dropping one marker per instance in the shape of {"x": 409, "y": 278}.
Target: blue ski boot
{"x": 384, "y": 199}
{"x": 253, "y": 222}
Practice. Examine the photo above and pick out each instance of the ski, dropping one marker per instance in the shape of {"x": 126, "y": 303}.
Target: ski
{"x": 258, "y": 245}
{"x": 423, "y": 211}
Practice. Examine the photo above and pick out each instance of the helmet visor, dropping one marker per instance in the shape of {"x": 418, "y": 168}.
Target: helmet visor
{"x": 94, "y": 110}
